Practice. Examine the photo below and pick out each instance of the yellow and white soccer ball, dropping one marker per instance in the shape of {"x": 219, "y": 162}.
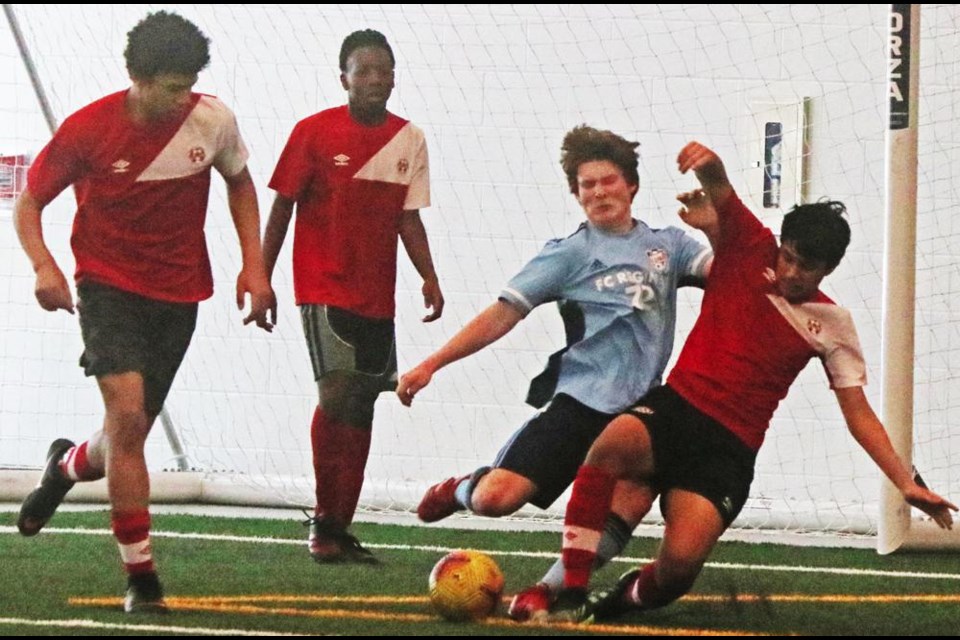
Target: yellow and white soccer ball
{"x": 466, "y": 585}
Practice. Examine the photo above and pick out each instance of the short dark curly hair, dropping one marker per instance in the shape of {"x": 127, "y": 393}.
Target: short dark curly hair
{"x": 817, "y": 231}
{"x": 586, "y": 144}
{"x": 364, "y": 38}
{"x": 165, "y": 42}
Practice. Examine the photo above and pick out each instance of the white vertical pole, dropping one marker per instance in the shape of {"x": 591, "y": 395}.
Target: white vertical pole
{"x": 899, "y": 273}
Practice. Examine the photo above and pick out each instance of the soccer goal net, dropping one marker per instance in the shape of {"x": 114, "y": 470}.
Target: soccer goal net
{"x": 793, "y": 97}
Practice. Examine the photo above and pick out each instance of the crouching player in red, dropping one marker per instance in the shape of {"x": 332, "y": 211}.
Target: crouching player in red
{"x": 695, "y": 439}
{"x": 140, "y": 161}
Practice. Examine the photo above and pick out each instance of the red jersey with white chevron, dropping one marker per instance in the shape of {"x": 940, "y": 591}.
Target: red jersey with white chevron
{"x": 351, "y": 183}
{"x": 749, "y": 344}
{"x": 142, "y": 193}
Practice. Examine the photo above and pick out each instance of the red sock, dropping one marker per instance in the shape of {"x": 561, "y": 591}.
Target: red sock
{"x": 648, "y": 593}
{"x": 132, "y": 531}
{"x": 326, "y": 462}
{"x": 583, "y": 525}
{"x": 356, "y": 448}
{"x": 76, "y": 466}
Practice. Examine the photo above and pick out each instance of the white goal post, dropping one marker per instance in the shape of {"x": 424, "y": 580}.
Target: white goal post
{"x": 793, "y": 97}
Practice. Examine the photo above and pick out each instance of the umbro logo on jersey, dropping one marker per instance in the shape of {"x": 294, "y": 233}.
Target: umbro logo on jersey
{"x": 120, "y": 166}
{"x": 597, "y": 264}
{"x": 197, "y": 155}
{"x": 402, "y": 166}
{"x": 341, "y": 160}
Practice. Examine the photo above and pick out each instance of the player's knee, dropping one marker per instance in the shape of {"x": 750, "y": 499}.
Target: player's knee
{"x": 349, "y": 404}
{"x": 496, "y": 498}
{"x": 126, "y": 427}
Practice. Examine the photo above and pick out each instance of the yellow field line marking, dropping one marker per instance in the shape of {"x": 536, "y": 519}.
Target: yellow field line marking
{"x": 209, "y": 604}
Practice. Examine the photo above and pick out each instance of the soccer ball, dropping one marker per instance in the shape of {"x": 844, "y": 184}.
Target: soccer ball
{"x": 465, "y": 585}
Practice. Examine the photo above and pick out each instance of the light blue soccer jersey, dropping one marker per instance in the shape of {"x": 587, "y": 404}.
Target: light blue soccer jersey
{"x": 618, "y": 300}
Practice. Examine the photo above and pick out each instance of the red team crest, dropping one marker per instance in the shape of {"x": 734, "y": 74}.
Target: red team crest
{"x": 402, "y": 166}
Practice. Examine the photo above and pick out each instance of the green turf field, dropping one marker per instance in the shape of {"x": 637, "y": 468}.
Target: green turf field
{"x": 254, "y": 576}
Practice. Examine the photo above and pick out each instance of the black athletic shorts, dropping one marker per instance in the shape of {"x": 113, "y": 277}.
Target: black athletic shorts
{"x": 125, "y": 332}
{"x": 340, "y": 340}
{"x": 692, "y": 451}
{"x": 550, "y": 447}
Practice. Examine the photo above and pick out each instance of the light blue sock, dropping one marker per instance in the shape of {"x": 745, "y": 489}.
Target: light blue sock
{"x": 464, "y": 490}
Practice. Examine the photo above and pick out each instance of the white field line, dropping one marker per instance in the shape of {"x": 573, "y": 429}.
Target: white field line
{"x": 151, "y": 628}
{"x": 515, "y": 554}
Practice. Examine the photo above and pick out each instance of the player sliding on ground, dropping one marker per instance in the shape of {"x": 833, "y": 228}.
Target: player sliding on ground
{"x": 140, "y": 162}
{"x": 695, "y": 439}
{"x": 616, "y": 282}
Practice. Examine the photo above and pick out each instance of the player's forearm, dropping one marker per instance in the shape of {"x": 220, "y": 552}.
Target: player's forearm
{"x": 870, "y": 434}
{"x": 414, "y": 238}
{"x": 487, "y": 327}
{"x": 276, "y": 231}
{"x": 26, "y": 221}
{"x": 242, "y": 200}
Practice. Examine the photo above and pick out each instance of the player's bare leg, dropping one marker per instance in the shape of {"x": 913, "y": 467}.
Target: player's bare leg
{"x": 121, "y": 444}
{"x": 500, "y": 492}
{"x": 621, "y": 452}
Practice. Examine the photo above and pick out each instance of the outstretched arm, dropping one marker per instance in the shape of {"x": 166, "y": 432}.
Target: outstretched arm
{"x": 708, "y": 168}
{"x": 870, "y": 434}
{"x": 414, "y": 238}
{"x": 490, "y": 325}
{"x": 51, "y": 289}
{"x": 242, "y": 199}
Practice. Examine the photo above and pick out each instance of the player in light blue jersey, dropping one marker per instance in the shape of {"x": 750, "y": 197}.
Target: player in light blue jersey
{"x": 615, "y": 280}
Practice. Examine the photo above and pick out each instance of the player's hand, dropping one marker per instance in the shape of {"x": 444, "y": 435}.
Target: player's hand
{"x": 697, "y": 210}
{"x": 412, "y": 382}
{"x": 931, "y": 504}
{"x": 263, "y": 302}
{"x": 704, "y": 163}
{"x": 432, "y": 299}
{"x": 52, "y": 290}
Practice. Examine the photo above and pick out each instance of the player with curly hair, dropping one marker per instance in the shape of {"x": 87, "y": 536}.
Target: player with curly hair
{"x": 140, "y": 162}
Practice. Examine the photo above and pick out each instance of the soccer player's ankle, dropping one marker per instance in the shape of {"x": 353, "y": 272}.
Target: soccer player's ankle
{"x": 576, "y": 578}
{"x": 463, "y": 494}
{"x": 132, "y": 531}
{"x": 75, "y": 465}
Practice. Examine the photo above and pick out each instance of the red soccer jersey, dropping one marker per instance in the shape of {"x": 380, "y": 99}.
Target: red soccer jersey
{"x": 749, "y": 344}
{"x": 351, "y": 183}
{"x": 142, "y": 193}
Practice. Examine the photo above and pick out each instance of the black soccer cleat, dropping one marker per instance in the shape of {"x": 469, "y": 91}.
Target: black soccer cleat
{"x": 40, "y": 505}
{"x": 144, "y": 594}
{"x": 610, "y": 603}
{"x": 330, "y": 543}
{"x": 568, "y": 607}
